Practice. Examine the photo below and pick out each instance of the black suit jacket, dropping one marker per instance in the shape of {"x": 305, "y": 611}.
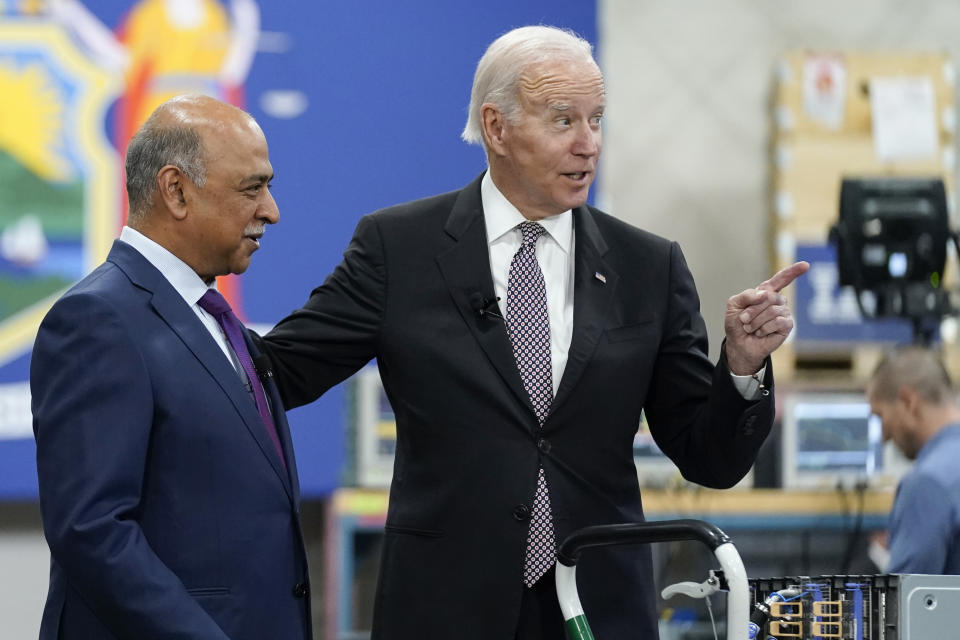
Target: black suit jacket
{"x": 468, "y": 442}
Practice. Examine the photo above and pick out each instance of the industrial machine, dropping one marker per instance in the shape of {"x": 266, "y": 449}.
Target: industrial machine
{"x": 830, "y": 607}
{"x": 857, "y": 607}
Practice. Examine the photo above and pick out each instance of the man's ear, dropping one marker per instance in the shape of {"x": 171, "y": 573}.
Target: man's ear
{"x": 170, "y": 184}
{"x": 493, "y": 124}
{"x": 910, "y": 398}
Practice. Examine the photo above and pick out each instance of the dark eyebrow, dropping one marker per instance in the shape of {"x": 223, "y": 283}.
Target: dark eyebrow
{"x": 261, "y": 178}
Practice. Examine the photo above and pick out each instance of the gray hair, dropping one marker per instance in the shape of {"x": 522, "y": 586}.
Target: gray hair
{"x": 155, "y": 146}
{"x": 919, "y": 369}
{"x": 498, "y": 72}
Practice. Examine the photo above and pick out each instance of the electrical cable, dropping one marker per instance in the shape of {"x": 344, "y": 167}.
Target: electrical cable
{"x": 713, "y": 622}
{"x": 857, "y": 532}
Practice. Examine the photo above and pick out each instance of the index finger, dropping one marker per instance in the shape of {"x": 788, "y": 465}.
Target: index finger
{"x": 785, "y": 276}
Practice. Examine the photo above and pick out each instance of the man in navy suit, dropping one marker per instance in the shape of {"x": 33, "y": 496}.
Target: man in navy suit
{"x": 168, "y": 485}
{"x": 515, "y": 419}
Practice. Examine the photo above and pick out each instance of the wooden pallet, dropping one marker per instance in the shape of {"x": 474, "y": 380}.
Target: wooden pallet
{"x": 850, "y": 366}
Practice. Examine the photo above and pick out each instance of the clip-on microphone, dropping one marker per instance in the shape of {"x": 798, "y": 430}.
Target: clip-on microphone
{"x": 484, "y": 307}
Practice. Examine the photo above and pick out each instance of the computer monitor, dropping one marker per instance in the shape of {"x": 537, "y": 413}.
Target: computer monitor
{"x": 654, "y": 468}
{"x": 891, "y": 242}
{"x": 892, "y": 229}
{"x": 832, "y": 440}
{"x": 657, "y": 471}
{"x": 373, "y": 431}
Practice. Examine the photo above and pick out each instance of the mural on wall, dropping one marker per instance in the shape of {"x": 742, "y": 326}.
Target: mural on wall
{"x": 58, "y": 172}
{"x": 61, "y": 195}
{"x": 74, "y": 92}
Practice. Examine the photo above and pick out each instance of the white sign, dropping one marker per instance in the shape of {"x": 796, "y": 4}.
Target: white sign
{"x": 16, "y": 421}
{"x": 830, "y": 305}
{"x": 904, "y": 118}
{"x": 825, "y": 90}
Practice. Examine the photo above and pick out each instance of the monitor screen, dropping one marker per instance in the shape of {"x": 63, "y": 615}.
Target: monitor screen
{"x": 654, "y": 468}
{"x": 657, "y": 471}
{"x": 832, "y": 440}
{"x": 372, "y": 430}
{"x": 644, "y": 446}
{"x": 891, "y": 229}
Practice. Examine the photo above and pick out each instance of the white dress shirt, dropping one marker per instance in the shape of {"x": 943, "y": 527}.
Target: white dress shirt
{"x": 555, "y": 255}
{"x": 185, "y": 281}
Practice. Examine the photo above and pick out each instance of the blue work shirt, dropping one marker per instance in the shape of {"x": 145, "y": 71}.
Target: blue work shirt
{"x": 925, "y": 519}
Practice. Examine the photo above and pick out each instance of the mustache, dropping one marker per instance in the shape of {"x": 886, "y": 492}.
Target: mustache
{"x": 255, "y": 230}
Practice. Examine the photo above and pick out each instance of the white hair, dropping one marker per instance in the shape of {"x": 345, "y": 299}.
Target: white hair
{"x": 499, "y": 70}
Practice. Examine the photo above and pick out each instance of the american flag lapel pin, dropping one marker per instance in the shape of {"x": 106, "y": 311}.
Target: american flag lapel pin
{"x": 599, "y": 276}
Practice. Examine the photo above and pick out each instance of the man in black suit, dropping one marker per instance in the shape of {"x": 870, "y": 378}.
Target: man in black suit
{"x": 519, "y": 334}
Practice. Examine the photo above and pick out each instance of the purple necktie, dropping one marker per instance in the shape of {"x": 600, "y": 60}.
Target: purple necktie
{"x": 528, "y": 326}
{"x": 215, "y": 304}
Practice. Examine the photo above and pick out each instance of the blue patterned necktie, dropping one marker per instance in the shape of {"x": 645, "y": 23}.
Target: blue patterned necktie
{"x": 528, "y": 326}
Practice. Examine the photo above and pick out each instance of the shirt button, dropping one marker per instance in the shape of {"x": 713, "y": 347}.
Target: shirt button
{"x": 544, "y": 445}
{"x": 301, "y": 589}
{"x": 521, "y": 512}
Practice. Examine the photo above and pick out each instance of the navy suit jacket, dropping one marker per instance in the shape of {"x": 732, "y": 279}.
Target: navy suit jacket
{"x": 167, "y": 510}
{"x": 468, "y": 442}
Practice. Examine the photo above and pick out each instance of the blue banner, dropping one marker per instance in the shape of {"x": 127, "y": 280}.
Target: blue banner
{"x": 827, "y": 314}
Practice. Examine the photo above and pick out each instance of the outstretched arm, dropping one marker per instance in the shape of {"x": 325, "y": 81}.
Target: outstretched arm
{"x": 336, "y": 331}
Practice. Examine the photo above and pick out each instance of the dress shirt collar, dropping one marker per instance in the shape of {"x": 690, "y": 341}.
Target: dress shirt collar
{"x": 177, "y": 272}
{"x": 500, "y": 216}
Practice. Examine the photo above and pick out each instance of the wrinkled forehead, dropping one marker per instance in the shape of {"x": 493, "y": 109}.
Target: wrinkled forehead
{"x": 558, "y": 81}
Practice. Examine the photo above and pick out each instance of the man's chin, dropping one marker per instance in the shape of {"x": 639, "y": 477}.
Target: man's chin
{"x": 577, "y": 201}
{"x": 239, "y": 266}
{"x": 578, "y": 197}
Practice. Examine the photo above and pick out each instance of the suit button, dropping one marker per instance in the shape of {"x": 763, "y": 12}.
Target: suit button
{"x": 544, "y": 445}
{"x": 521, "y": 512}
{"x": 301, "y": 589}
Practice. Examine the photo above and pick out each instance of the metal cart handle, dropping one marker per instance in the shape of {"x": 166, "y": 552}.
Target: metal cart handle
{"x": 738, "y": 598}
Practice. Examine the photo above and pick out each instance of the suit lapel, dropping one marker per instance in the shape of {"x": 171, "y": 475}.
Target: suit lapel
{"x": 591, "y": 298}
{"x": 466, "y": 270}
{"x": 185, "y": 324}
{"x": 283, "y": 427}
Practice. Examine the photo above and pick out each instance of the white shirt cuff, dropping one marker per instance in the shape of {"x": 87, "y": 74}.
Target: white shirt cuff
{"x": 749, "y": 386}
